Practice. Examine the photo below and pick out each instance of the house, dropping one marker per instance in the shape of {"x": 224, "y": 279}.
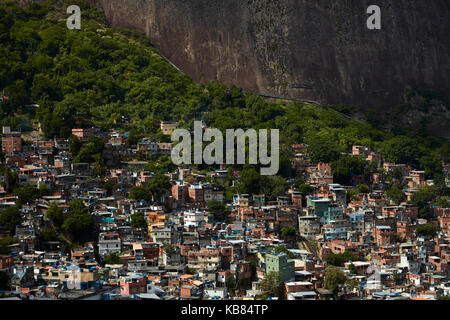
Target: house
{"x": 416, "y": 179}
{"x": 140, "y": 265}
{"x": 195, "y": 219}
{"x": 187, "y": 291}
{"x": 6, "y": 262}
{"x": 309, "y": 226}
{"x": 83, "y": 133}
{"x": 300, "y": 290}
{"x": 282, "y": 264}
{"x": 22, "y": 277}
{"x": 383, "y": 235}
{"x": 108, "y": 243}
{"x": 196, "y": 193}
{"x": 165, "y": 233}
{"x": 319, "y": 205}
{"x": 180, "y": 191}
{"x": 361, "y": 267}
{"x": 146, "y": 250}
{"x": 132, "y": 284}
{"x": 171, "y": 256}
{"x": 11, "y": 141}
{"x": 168, "y": 127}
{"x": 62, "y": 144}
{"x": 338, "y": 194}
{"x": 205, "y": 259}
{"x": 336, "y": 229}
{"x": 444, "y": 224}
{"x": 216, "y": 292}
{"x": 241, "y": 271}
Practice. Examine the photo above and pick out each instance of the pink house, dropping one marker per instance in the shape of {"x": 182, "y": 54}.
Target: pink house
{"x": 133, "y": 284}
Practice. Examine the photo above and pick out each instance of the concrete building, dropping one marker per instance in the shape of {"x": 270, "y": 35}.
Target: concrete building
{"x": 11, "y": 141}
{"x": 319, "y": 205}
{"x": 168, "y": 127}
{"x": 282, "y": 264}
{"x": 108, "y": 243}
{"x": 194, "y": 219}
{"x": 309, "y": 226}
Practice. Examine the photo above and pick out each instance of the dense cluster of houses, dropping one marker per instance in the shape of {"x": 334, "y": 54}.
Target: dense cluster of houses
{"x": 184, "y": 253}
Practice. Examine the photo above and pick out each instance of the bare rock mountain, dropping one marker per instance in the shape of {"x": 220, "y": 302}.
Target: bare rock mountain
{"x": 318, "y": 50}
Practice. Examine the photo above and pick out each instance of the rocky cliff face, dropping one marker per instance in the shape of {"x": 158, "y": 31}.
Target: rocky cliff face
{"x": 310, "y": 49}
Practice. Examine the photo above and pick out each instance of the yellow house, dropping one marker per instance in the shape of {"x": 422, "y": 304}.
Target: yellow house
{"x": 168, "y": 127}
{"x": 154, "y": 218}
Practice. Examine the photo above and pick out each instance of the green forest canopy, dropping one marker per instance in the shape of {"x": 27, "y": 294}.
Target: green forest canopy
{"x": 115, "y": 79}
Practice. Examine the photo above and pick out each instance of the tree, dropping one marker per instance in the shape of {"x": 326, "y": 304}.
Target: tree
{"x": 335, "y": 278}
{"x": 134, "y": 137}
{"x": 17, "y": 93}
{"x": 253, "y": 265}
{"x": 138, "y": 221}
{"x": 323, "y": 149}
{"x": 112, "y": 258}
{"x": 110, "y": 187}
{"x": 49, "y": 234}
{"x": 169, "y": 248}
{"x": 395, "y": 174}
{"x": 427, "y": 230}
{"x": 91, "y": 151}
{"x": 27, "y": 194}
{"x": 140, "y": 193}
{"x": 10, "y": 217}
{"x": 371, "y": 168}
{"x": 305, "y": 189}
{"x": 56, "y": 215}
{"x": 397, "y": 278}
{"x": 338, "y": 259}
{"x": 283, "y": 249}
{"x": 396, "y": 194}
{"x": 250, "y": 181}
{"x": 75, "y": 145}
{"x": 352, "y": 195}
{"x": 231, "y": 285}
{"x": 43, "y": 191}
{"x": 442, "y": 202}
{"x": 5, "y": 242}
{"x": 288, "y": 233}
{"x": 400, "y": 149}
{"x": 190, "y": 270}
{"x": 422, "y": 199}
{"x": 218, "y": 210}
{"x": 373, "y": 117}
{"x": 298, "y": 181}
{"x": 272, "y": 284}
{"x": 363, "y": 188}
{"x": 162, "y": 164}
{"x": 273, "y": 187}
{"x": 79, "y": 223}
{"x": 159, "y": 185}
{"x": 351, "y": 284}
{"x": 5, "y": 281}
{"x": 352, "y": 269}
{"x": 11, "y": 179}
{"x": 346, "y": 167}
